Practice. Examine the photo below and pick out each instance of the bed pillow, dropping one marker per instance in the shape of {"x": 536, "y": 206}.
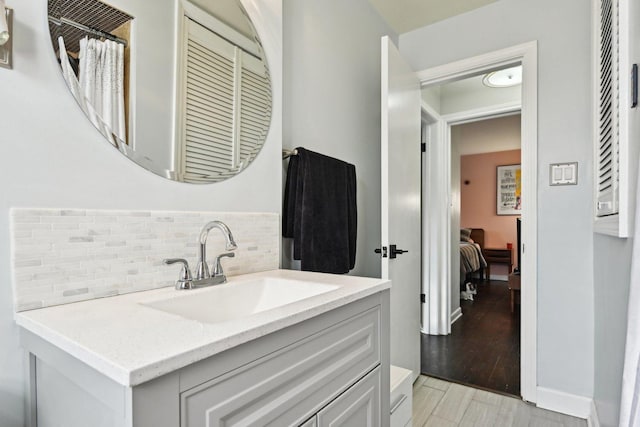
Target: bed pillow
{"x": 465, "y": 234}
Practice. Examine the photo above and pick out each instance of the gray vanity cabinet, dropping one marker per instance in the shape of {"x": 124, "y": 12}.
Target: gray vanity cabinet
{"x": 331, "y": 369}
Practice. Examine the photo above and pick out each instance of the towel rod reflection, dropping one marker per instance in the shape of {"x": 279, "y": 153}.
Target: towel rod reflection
{"x": 87, "y": 29}
{"x": 288, "y": 153}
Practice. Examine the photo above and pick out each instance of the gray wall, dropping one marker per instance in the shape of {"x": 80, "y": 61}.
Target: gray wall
{"x": 332, "y": 100}
{"x": 51, "y": 156}
{"x": 612, "y": 270}
{"x": 612, "y": 276}
{"x": 565, "y": 282}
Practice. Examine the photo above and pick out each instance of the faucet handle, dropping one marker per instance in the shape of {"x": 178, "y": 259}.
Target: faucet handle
{"x": 217, "y": 269}
{"x": 185, "y": 281}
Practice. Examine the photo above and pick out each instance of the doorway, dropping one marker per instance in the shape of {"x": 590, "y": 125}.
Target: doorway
{"x": 483, "y": 347}
{"x": 437, "y": 248}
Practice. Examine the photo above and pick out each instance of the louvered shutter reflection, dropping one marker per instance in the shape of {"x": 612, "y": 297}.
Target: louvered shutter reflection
{"x": 227, "y": 106}
{"x": 255, "y": 107}
{"x": 209, "y": 104}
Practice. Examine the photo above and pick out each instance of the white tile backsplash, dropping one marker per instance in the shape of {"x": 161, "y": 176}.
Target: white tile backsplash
{"x": 68, "y": 255}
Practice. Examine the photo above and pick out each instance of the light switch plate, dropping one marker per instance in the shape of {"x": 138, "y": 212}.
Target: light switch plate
{"x": 563, "y": 173}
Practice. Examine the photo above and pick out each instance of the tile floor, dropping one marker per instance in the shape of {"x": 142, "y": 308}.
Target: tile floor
{"x": 438, "y": 403}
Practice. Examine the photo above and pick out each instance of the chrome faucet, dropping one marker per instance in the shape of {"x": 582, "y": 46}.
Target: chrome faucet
{"x": 203, "y": 276}
{"x": 202, "y": 269}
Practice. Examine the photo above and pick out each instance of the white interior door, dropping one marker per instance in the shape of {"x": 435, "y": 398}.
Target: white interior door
{"x": 401, "y": 203}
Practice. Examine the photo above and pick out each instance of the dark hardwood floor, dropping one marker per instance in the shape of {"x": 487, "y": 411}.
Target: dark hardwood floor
{"x": 483, "y": 349}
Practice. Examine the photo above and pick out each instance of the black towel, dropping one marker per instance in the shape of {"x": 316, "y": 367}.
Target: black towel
{"x": 320, "y": 212}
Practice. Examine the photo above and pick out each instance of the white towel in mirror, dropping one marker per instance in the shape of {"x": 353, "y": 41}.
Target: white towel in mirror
{"x": 99, "y": 87}
{"x": 70, "y": 76}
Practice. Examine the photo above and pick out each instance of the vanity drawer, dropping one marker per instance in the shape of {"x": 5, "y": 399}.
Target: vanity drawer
{"x": 288, "y": 386}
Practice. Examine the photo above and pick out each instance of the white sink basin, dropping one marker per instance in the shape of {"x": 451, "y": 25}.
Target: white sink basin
{"x": 235, "y": 300}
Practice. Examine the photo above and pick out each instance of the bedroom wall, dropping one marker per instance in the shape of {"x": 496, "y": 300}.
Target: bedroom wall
{"x": 52, "y": 157}
{"x": 478, "y": 198}
{"x": 565, "y": 325}
{"x": 478, "y": 203}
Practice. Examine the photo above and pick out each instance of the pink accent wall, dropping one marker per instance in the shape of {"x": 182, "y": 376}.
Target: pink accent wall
{"x": 478, "y": 201}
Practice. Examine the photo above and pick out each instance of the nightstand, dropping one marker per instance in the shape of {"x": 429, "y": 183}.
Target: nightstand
{"x": 497, "y": 256}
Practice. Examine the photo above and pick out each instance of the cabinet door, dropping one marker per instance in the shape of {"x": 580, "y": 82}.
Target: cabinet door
{"x": 357, "y": 407}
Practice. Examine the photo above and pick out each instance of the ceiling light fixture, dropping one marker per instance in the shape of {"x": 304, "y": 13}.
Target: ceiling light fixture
{"x": 504, "y": 78}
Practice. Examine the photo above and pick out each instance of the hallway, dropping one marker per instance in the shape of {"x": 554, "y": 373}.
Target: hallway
{"x": 483, "y": 349}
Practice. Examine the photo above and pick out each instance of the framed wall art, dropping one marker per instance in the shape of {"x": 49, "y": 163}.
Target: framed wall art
{"x": 509, "y": 190}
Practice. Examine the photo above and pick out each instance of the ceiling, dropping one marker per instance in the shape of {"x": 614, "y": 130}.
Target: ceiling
{"x": 469, "y": 94}
{"x": 407, "y": 15}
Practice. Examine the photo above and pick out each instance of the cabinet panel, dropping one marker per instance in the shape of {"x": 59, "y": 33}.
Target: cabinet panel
{"x": 61, "y": 402}
{"x": 288, "y": 386}
{"x": 357, "y": 407}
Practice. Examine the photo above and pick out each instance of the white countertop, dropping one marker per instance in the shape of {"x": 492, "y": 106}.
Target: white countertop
{"x": 132, "y": 343}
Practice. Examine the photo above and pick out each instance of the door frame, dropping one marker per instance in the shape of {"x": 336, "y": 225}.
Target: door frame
{"x": 437, "y": 314}
{"x": 439, "y": 260}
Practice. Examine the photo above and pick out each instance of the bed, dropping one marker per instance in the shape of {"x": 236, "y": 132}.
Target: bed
{"x": 471, "y": 259}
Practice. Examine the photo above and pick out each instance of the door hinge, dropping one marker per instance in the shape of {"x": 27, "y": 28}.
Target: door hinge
{"x": 423, "y": 147}
{"x": 423, "y": 298}
{"x": 634, "y": 86}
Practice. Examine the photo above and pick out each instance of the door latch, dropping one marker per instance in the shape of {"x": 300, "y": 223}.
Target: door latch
{"x": 383, "y": 251}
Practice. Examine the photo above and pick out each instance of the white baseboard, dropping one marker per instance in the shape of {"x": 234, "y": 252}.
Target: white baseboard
{"x": 457, "y": 313}
{"x": 499, "y": 277}
{"x": 593, "y": 420}
{"x": 565, "y": 403}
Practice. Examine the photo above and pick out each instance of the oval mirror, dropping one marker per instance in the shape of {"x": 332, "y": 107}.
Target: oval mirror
{"x": 194, "y": 107}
